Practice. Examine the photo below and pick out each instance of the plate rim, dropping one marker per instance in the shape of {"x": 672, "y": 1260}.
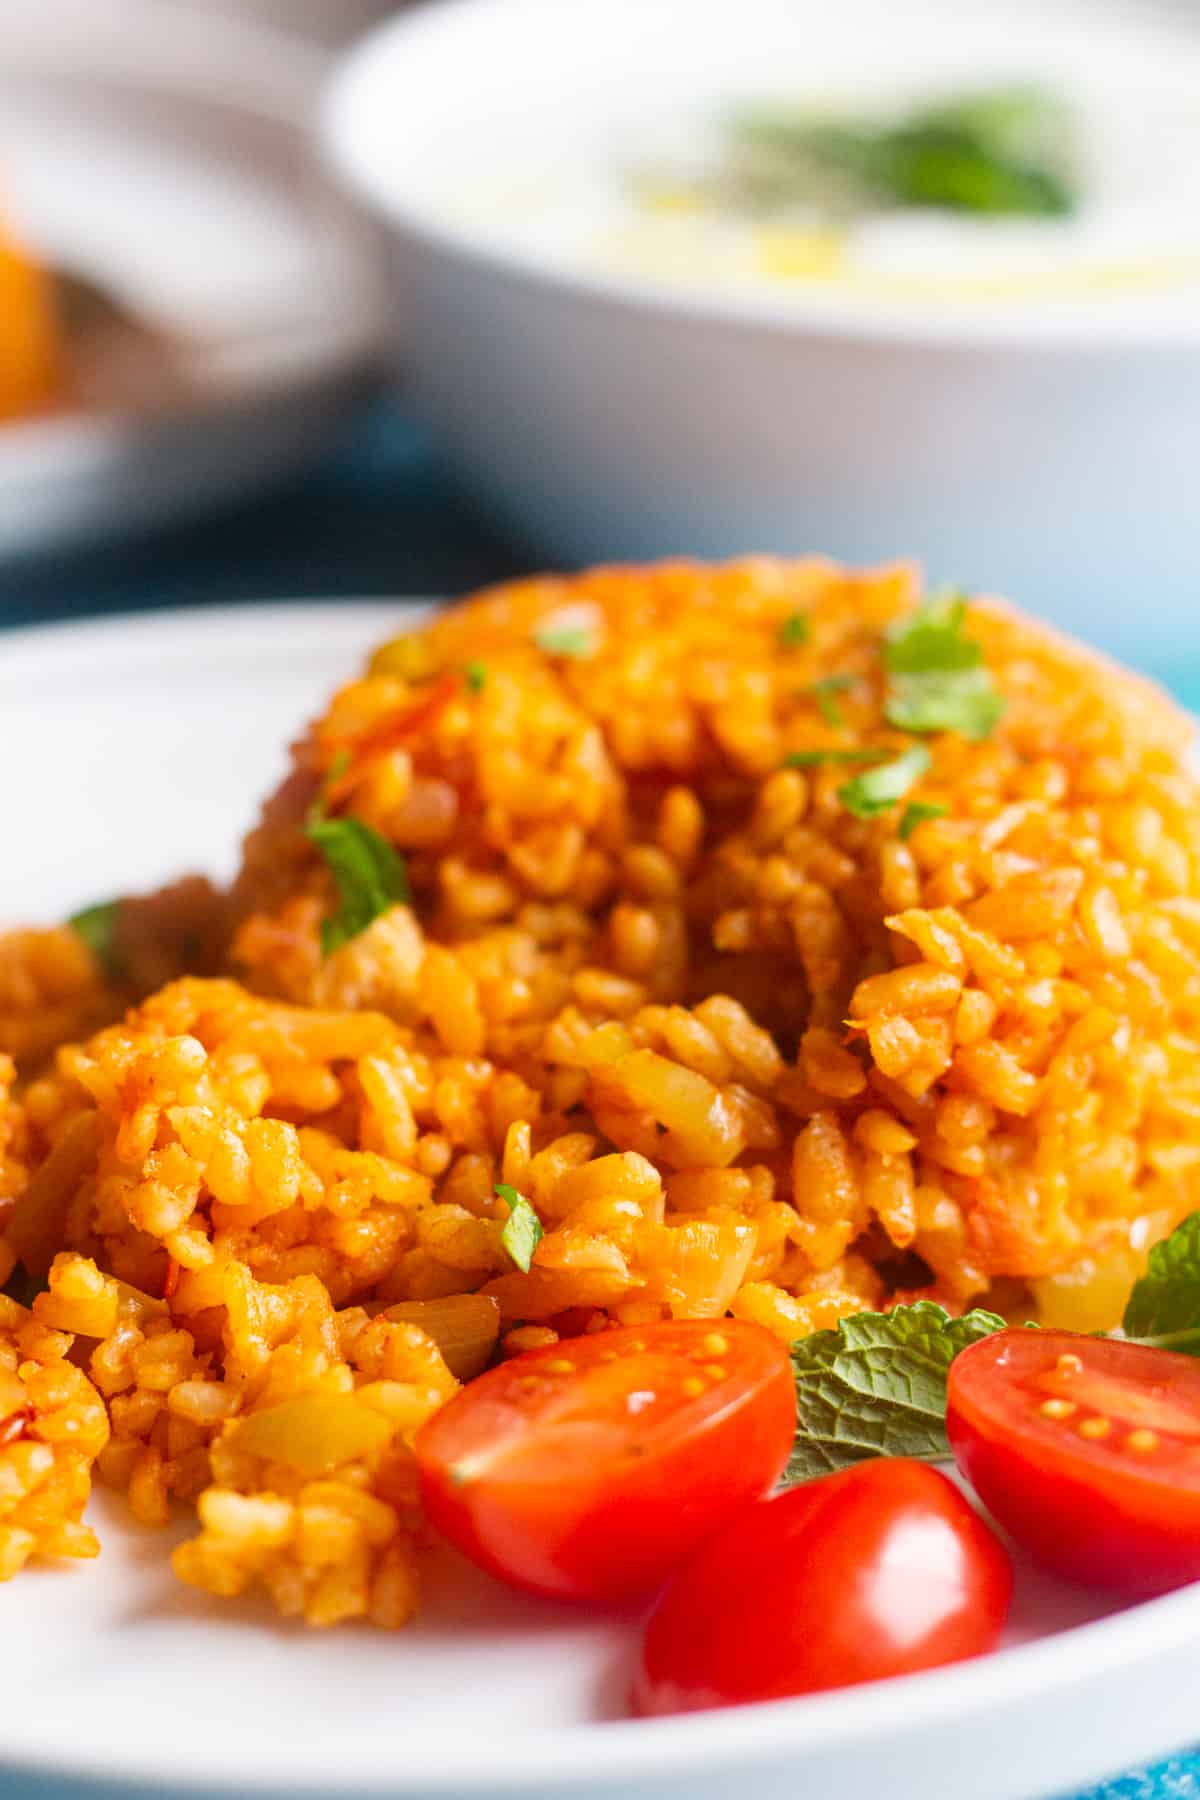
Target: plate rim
{"x": 575, "y": 1757}
{"x": 228, "y": 619}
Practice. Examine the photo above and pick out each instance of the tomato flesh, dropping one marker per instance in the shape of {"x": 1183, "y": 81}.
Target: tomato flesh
{"x": 880, "y": 1570}
{"x": 589, "y": 1469}
{"x": 1087, "y": 1450}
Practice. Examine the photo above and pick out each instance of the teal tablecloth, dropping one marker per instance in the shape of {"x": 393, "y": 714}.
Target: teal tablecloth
{"x": 380, "y": 518}
{"x": 1178, "y": 1779}
{"x": 376, "y": 518}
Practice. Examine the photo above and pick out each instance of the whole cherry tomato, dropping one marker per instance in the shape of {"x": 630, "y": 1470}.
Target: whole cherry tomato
{"x": 1087, "y": 1450}
{"x": 589, "y": 1469}
{"x": 879, "y": 1570}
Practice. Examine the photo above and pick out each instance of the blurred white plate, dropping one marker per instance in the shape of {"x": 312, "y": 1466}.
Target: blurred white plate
{"x": 330, "y": 21}
{"x": 163, "y": 155}
{"x": 147, "y": 743}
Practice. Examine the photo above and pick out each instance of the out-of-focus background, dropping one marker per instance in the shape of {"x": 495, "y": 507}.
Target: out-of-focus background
{"x": 332, "y": 298}
{"x": 329, "y": 22}
{"x": 319, "y": 297}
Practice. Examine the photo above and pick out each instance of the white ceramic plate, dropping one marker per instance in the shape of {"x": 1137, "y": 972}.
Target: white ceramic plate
{"x": 145, "y": 743}
{"x": 166, "y": 159}
{"x": 330, "y": 21}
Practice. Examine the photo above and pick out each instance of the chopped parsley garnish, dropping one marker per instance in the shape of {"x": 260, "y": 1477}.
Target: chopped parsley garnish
{"x": 916, "y": 813}
{"x": 823, "y": 691}
{"x": 810, "y": 759}
{"x": 876, "y": 1386}
{"x": 965, "y": 702}
{"x": 476, "y": 674}
{"x": 565, "y": 640}
{"x": 338, "y": 764}
{"x": 794, "y": 631}
{"x": 877, "y": 790}
{"x": 97, "y": 926}
{"x": 936, "y": 675}
{"x": 369, "y": 875}
{"x": 522, "y": 1229}
{"x": 931, "y": 639}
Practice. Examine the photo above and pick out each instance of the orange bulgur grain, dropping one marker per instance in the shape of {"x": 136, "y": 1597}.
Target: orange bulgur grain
{"x": 743, "y": 1051}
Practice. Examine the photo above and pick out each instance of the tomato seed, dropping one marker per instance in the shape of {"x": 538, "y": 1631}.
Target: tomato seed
{"x": 1057, "y": 1409}
{"x": 692, "y": 1386}
{"x": 560, "y": 1366}
{"x": 1142, "y": 1442}
{"x": 716, "y": 1344}
{"x": 1095, "y": 1428}
{"x": 714, "y": 1371}
{"x": 1069, "y": 1364}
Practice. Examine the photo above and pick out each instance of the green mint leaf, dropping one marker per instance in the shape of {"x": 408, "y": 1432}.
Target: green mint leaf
{"x": 916, "y": 813}
{"x": 810, "y": 759}
{"x": 369, "y": 875}
{"x": 1164, "y": 1307}
{"x": 937, "y": 680}
{"x": 823, "y": 691}
{"x": 877, "y": 790}
{"x": 794, "y": 631}
{"x": 476, "y": 674}
{"x": 876, "y": 1386}
{"x": 565, "y": 640}
{"x": 97, "y": 926}
{"x": 522, "y": 1229}
{"x": 1006, "y": 151}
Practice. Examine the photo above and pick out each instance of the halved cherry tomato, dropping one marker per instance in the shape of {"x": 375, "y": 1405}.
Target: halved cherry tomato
{"x": 589, "y": 1469}
{"x": 879, "y": 1570}
{"x": 1087, "y": 1450}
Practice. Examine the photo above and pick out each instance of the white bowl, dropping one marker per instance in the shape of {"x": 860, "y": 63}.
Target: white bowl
{"x": 1046, "y": 452}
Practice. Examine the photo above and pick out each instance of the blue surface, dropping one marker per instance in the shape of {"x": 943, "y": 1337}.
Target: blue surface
{"x": 1178, "y": 1779}
{"x": 379, "y": 517}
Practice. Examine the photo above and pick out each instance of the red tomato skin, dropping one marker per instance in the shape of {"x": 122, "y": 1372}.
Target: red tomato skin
{"x": 880, "y": 1570}
{"x": 609, "y": 1537}
{"x": 1079, "y": 1517}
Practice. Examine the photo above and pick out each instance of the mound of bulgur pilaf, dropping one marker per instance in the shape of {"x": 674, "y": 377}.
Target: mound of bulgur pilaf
{"x": 52, "y": 1427}
{"x": 743, "y": 1050}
